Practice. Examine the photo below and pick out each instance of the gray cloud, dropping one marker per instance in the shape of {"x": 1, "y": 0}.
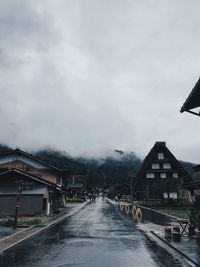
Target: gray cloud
{"x": 91, "y": 76}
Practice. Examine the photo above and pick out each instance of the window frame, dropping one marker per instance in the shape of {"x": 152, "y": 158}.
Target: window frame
{"x": 161, "y": 174}
{"x": 175, "y": 175}
{"x": 150, "y": 173}
{"x": 168, "y": 164}
{"x": 153, "y": 166}
{"x": 161, "y": 155}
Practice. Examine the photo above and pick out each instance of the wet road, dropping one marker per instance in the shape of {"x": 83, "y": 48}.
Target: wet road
{"x": 96, "y": 236}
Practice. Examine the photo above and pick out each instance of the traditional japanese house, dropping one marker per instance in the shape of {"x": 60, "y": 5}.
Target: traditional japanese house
{"x": 40, "y": 183}
{"x": 122, "y": 191}
{"x": 76, "y": 185}
{"x": 161, "y": 176}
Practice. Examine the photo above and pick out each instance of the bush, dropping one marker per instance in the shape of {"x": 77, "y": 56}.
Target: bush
{"x": 33, "y": 221}
{"x": 194, "y": 215}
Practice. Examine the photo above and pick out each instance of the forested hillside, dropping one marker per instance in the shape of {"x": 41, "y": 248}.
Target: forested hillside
{"x": 118, "y": 167}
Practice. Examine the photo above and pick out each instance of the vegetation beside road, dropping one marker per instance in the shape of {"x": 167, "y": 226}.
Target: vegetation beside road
{"x": 24, "y": 221}
{"x": 178, "y": 211}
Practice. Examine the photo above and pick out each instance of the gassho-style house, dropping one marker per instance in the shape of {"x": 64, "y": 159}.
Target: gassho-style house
{"x": 161, "y": 177}
{"x": 40, "y": 184}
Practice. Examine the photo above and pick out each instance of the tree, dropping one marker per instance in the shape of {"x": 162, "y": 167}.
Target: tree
{"x": 194, "y": 215}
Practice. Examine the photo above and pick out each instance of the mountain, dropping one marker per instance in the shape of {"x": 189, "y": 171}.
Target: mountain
{"x": 4, "y": 148}
{"x": 188, "y": 166}
{"x": 61, "y": 160}
{"x": 115, "y": 168}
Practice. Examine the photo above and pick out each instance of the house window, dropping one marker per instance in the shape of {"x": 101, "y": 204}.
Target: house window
{"x": 175, "y": 175}
{"x": 165, "y": 195}
{"x": 163, "y": 175}
{"x": 172, "y": 195}
{"x": 150, "y": 175}
{"x": 155, "y": 166}
{"x": 160, "y": 156}
{"x": 166, "y": 166}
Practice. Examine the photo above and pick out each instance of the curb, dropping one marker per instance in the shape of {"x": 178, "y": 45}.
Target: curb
{"x": 44, "y": 227}
{"x": 174, "y": 248}
{"x": 189, "y": 260}
{"x": 6, "y": 237}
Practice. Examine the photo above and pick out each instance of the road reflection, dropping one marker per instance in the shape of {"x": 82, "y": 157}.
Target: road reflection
{"x": 97, "y": 236}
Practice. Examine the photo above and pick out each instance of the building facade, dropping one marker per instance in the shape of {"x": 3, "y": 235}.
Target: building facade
{"x": 39, "y": 182}
{"x": 161, "y": 176}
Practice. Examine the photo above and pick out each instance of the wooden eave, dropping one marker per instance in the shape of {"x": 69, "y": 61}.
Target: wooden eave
{"x": 193, "y": 100}
{"x": 29, "y": 176}
{"x": 21, "y": 152}
{"x": 196, "y": 168}
{"x": 193, "y": 185}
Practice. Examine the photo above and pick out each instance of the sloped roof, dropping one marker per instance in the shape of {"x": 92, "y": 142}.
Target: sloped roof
{"x": 21, "y": 152}
{"x": 196, "y": 168}
{"x": 121, "y": 189}
{"x": 11, "y": 189}
{"x": 25, "y": 174}
{"x": 193, "y": 184}
{"x": 74, "y": 186}
{"x": 121, "y": 186}
{"x": 193, "y": 100}
{"x": 161, "y": 147}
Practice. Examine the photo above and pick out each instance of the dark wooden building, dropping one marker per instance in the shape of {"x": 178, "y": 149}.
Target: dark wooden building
{"x": 76, "y": 185}
{"x": 35, "y": 194}
{"x": 41, "y": 182}
{"x": 161, "y": 176}
{"x": 120, "y": 190}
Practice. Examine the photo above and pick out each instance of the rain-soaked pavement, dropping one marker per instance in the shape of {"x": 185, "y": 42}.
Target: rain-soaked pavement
{"x": 97, "y": 236}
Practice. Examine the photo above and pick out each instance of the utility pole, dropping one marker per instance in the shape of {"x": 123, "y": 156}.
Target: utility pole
{"x": 131, "y": 186}
{"x": 17, "y": 206}
{"x": 131, "y": 179}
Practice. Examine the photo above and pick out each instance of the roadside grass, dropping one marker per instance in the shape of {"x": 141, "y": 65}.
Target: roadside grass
{"x": 181, "y": 211}
{"x": 29, "y": 221}
{"x": 8, "y": 222}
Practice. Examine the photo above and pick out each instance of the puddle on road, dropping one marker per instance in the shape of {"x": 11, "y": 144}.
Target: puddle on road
{"x": 130, "y": 243}
{"x": 81, "y": 243}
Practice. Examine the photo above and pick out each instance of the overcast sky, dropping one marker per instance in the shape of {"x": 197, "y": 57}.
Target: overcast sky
{"x": 89, "y": 76}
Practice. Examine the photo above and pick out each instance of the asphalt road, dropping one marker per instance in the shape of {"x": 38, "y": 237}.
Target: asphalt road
{"x": 97, "y": 236}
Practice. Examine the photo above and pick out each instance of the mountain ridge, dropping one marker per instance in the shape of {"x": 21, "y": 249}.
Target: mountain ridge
{"x": 115, "y": 168}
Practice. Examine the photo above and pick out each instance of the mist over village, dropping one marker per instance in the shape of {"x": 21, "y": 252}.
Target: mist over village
{"x": 99, "y": 140}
